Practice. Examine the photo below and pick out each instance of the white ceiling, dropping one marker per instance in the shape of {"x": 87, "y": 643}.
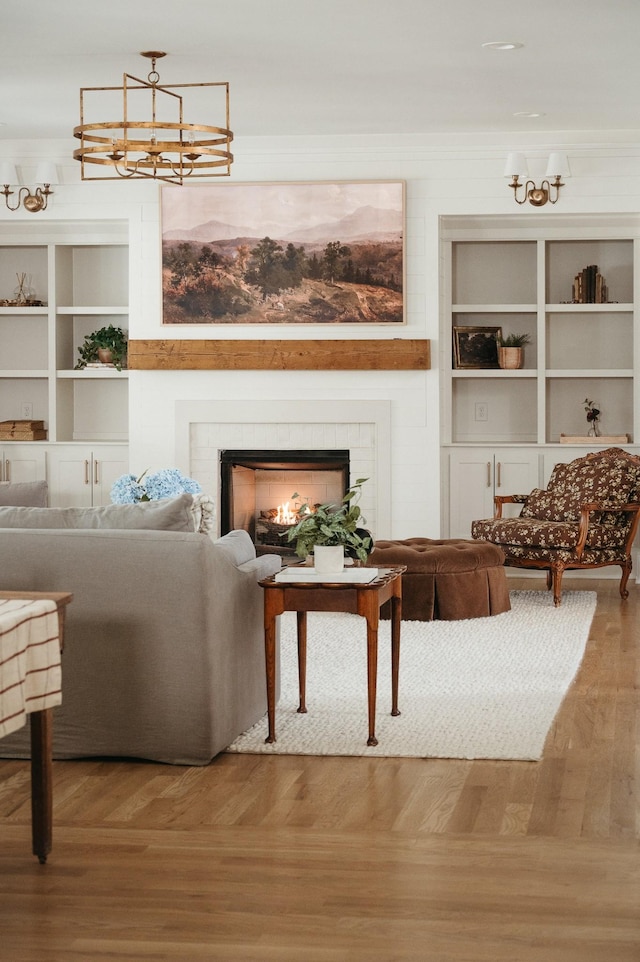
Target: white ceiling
{"x": 334, "y": 66}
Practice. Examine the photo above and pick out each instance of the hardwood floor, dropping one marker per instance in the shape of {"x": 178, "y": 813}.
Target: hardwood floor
{"x": 285, "y": 859}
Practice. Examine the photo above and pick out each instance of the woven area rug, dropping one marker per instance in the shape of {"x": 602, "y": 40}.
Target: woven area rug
{"x": 480, "y": 688}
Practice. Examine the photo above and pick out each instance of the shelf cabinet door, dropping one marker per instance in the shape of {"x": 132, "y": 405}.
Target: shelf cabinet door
{"x": 477, "y": 475}
{"x": 107, "y": 464}
{"x": 82, "y": 477}
{"x": 19, "y": 463}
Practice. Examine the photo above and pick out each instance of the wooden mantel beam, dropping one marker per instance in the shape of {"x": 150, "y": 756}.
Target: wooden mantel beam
{"x": 397, "y": 354}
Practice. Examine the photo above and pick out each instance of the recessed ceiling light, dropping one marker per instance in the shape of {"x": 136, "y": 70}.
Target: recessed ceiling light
{"x": 529, "y": 113}
{"x": 502, "y": 45}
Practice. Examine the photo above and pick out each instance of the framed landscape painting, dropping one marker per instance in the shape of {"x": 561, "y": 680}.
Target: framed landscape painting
{"x": 475, "y": 347}
{"x": 300, "y": 253}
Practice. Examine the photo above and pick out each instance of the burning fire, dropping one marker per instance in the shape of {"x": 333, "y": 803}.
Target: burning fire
{"x": 284, "y": 515}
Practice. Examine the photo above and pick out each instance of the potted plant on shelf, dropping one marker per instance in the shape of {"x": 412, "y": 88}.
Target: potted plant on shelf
{"x": 105, "y": 346}
{"x": 332, "y": 526}
{"x": 511, "y": 350}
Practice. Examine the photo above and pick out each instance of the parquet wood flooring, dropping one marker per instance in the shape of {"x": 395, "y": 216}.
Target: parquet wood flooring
{"x": 308, "y": 859}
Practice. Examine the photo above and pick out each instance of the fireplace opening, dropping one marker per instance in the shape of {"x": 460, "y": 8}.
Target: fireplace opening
{"x": 257, "y": 488}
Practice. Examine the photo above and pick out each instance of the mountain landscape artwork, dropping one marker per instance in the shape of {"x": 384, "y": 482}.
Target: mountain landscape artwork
{"x": 297, "y": 253}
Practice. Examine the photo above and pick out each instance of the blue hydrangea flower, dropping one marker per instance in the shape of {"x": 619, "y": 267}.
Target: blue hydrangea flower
{"x": 167, "y": 483}
{"x": 126, "y": 490}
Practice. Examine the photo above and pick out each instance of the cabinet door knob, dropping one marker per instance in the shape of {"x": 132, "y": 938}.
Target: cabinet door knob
{"x": 86, "y": 472}
{"x": 488, "y": 474}
{"x": 7, "y": 470}
{"x": 96, "y": 479}
{"x": 498, "y": 475}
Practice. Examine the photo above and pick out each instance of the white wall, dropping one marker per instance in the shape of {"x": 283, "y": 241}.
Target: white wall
{"x": 452, "y": 176}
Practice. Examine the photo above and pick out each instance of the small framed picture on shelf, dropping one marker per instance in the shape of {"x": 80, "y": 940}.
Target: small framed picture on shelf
{"x": 475, "y": 347}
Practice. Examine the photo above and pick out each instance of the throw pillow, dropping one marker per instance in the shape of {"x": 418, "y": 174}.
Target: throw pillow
{"x": 203, "y": 513}
{"x": 24, "y": 493}
{"x": 172, "y": 514}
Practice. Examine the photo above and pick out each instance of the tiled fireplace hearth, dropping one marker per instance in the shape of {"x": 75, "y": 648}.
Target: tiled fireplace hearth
{"x": 206, "y": 428}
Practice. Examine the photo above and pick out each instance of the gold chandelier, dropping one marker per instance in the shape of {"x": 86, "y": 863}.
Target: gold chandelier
{"x": 164, "y": 147}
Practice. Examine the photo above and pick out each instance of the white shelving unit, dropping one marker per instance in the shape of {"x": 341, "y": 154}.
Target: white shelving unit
{"x": 80, "y": 273}
{"x": 517, "y": 274}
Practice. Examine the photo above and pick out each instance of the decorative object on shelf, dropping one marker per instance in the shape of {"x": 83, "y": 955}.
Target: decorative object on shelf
{"x": 23, "y": 295}
{"x": 32, "y": 201}
{"x": 588, "y": 439}
{"x": 168, "y": 150}
{"x": 589, "y": 287}
{"x": 336, "y": 525}
{"x": 110, "y": 338}
{"x": 338, "y": 256}
{"x": 557, "y": 167}
{"x": 22, "y": 431}
{"x": 593, "y": 416}
{"x": 511, "y": 350}
{"x": 166, "y": 483}
{"x": 476, "y": 347}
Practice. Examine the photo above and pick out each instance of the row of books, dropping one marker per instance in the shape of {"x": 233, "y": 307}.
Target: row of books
{"x": 589, "y": 287}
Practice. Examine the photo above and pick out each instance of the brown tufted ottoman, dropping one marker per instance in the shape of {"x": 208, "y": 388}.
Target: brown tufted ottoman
{"x": 446, "y": 580}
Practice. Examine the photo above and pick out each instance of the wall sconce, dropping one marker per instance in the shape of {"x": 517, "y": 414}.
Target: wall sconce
{"x": 557, "y": 167}
{"x": 31, "y": 201}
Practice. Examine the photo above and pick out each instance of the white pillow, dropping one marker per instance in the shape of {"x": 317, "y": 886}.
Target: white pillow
{"x": 203, "y": 511}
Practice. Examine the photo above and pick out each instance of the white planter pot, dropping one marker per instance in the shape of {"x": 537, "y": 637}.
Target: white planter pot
{"x": 328, "y": 559}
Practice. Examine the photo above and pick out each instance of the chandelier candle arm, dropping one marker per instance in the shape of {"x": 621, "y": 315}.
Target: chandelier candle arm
{"x": 157, "y": 148}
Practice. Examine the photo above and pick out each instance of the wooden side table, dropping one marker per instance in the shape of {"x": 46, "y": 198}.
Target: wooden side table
{"x": 363, "y": 599}
{"x": 41, "y": 723}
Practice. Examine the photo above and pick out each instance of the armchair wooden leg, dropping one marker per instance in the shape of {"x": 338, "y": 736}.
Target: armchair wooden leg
{"x": 626, "y": 571}
{"x": 556, "y": 573}
{"x": 549, "y": 579}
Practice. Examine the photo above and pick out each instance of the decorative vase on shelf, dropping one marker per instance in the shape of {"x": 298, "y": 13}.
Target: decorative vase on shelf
{"x": 510, "y": 358}
{"x": 105, "y": 355}
{"x": 328, "y": 559}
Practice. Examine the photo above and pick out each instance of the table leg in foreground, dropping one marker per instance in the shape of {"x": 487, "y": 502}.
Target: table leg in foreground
{"x": 302, "y": 660}
{"x": 41, "y": 782}
{"x": 270, "y": 660}
{"x": 396, "y": 619}
{"x": 371, "y": 612}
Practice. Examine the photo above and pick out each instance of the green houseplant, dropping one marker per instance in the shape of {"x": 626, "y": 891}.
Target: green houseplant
{"x": 511, "y": 350}
{"x": 111, "y": 339}
{"x": 333, "y": 525}
{"x": 513, "y": 340}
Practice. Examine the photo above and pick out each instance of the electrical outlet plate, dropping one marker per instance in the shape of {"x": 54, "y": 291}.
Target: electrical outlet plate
{"x": 26, "y": 410}
{"x": 482, "y": 411}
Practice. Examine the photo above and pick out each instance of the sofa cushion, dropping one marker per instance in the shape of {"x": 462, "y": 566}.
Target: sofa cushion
{"x": 172, "y": 514}
{"x": 24, "y": 493}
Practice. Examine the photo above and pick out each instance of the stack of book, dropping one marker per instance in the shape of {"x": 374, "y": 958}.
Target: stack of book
{"x": 22, "y": 431}
{"x": 589, "y": 287}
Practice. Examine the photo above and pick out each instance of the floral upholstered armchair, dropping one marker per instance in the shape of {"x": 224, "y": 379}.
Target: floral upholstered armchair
{"x": 586, "y": 517}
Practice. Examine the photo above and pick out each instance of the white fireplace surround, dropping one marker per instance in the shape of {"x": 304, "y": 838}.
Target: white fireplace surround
{"x": 204, "y": 428}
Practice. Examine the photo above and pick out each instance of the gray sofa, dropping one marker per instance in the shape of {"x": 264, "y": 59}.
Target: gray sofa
{"x": 164, "y": 646}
